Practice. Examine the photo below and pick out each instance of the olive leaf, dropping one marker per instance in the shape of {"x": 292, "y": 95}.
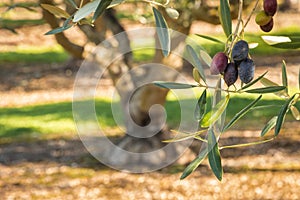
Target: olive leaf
{"x": 205, "y": 57}
{"x": 295, "y": 112}
{"x": 253, "y": 45}
{"x": 299, "y": 79}
{"x": 162, "y": 32}
{"x": 101, "y": 8}
{"x": 284, "y": 76}
{"x": 200, "y": 107}
{"x": 270, "y": 89}
{"x": 194, "y": 164}
{"x": 72, "y": 2}
{"x": 282, "y": 113}
{"x": 196, "y": 62}
{"x": 86, "y": 10}
{"x": 58, "y": 12}
{"x": 210, "y": 38}
{"x": 184, "y": 136}
{"x": 254, "y": 81}
{"x": 214, "y": 157}
{"x": 59, "y": 29}
{"x": 283, "y": 42}
{"x": 241, "y": 113}
{"x": 213, "y": 115}
{"x": 268, "y": 126}
{"x": 267, "y": 82}
{"x": 115, "y": 3}
{"x": 225, "y": 17}
{"x": 172, "y": 85}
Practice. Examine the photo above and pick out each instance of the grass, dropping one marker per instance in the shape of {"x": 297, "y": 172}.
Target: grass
{"x": 56, "y": 53}
{"x": 56, "y": 119}
{"x": 212, "y": 48}
{"x": 34, "y": 54}
{"x": 262, "y": 49}
{"x": 34, "y": 121}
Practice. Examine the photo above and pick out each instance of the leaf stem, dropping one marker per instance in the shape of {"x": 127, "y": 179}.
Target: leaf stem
{"x": 155, "y": 3}
{"x": 246, "y": 144}
{"x": 81, "y": 3}
{"x": 217, "y": 88}
{"x": 200, "y": 138}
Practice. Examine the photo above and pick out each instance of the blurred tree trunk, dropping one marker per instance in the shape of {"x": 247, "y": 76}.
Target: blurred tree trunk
{"x": 72, "y": 48}
{"x": 145, "y": 97}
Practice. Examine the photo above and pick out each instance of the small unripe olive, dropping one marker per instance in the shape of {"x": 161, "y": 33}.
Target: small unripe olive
{"x": 196, "y": 75}
{"x": 268, "y": 27}
{"x": 270, "y": 7}
{"x": 240, "y": 51}
{"x": 230, "y": 74}
{"x": 262, "y": 18}
{"x": 246, "y": 70}
{"x": 218, "y": 63}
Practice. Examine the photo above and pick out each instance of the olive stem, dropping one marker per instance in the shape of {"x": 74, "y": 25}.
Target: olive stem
{"x": 218, "y": 89}
{"x": 252, "y": 12}
{"x": 81, "y": 3}
{"x": 200, "y": 139}
{"x": 241, "y": 2}
{"x": 246, "y": 144}
{"x": 155, "y": 3}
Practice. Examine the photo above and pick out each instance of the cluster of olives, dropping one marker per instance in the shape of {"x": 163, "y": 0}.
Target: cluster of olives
{"x": 264, "y": 18}
{"x": 241, "y": 65}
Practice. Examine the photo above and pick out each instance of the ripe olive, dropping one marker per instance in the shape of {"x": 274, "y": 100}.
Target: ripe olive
{"x": 240, "y": 51}
{"x": 268, "y": 27}
{"x": 219, "y": 63}
{"x": 270, "y": 7}
{"x": 230, "y": 74}
{"x": 246, "y": 70}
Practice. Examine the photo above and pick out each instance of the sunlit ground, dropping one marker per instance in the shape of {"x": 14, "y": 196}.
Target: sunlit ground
{"x": 41, "y": 156}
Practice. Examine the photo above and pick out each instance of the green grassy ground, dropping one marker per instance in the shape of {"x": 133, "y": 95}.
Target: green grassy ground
{"x": 262, "y": 49}
{"x": 39, "y": 120}
{"x": 34, "y": 54}
{"x": 57, "y": 54}
{"x": 51, "y": 119}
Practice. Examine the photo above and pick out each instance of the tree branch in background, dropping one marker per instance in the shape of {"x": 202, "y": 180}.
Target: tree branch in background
{"x": 75, "y": 50}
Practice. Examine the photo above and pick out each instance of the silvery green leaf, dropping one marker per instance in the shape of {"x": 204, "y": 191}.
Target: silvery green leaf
{"x": 162, "y": 32}
{"x": 86, "y": 10}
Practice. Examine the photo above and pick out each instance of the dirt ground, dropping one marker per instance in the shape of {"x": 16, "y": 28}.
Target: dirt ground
{"x": 62, "y": 168}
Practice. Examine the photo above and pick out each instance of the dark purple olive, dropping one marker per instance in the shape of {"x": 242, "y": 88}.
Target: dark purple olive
{"x": 268, "y": 27}
{"x": 240, "y": 51}
{"x": 230, "y": 74}
{"x": 246, "y": 70}
{"x": 270, "y": 7}
{"x": 219, "y": 63}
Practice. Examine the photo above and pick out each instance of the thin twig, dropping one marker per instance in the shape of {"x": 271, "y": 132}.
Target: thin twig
{"x": 81, "y": 2}
{"x": 241, "y": 2}
{"x": 200, "y": 138}
{"x": 252, "y": 12}
{"x": 246, "y": 144}
{"x": 154, "y": 3}
{"x": 218, "y": 89}
{"x": 235, "y": 34}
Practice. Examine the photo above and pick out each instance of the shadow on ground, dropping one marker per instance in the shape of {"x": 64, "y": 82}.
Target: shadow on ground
{"x": 71, "y": 152}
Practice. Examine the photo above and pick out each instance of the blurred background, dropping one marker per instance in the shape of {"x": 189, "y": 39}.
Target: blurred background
{"x": 41, "y": 156}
